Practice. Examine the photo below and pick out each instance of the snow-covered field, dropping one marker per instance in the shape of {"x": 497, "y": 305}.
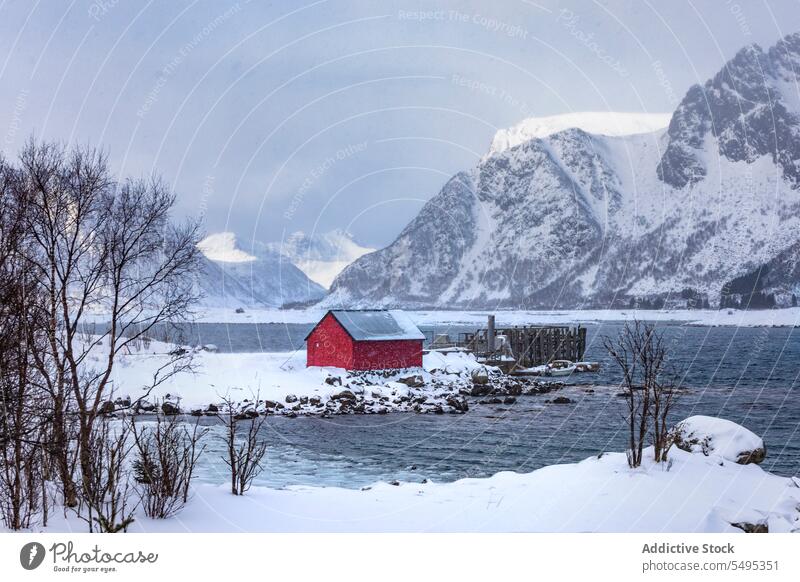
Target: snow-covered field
{"x": 708, "y": 317}
{"x": 696, "y": 493}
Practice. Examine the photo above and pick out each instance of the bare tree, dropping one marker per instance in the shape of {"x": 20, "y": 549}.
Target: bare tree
{"x": 167, "y": 456}
{"x": 665, "y": 393}
{"x": 101, "y": 246}
{"x": 641, "y": 354}
{"x": 21, "y": 494}
{"x": 244, "y": 447}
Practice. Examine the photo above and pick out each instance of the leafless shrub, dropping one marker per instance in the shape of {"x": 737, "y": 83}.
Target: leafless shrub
{"x": 105, "y": 491}
{"x": 245, "y": 450}
{"x": 641, "y": 354}
{"x": 167, "y": 455}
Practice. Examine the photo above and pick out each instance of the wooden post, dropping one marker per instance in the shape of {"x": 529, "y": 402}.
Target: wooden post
{"x": 490, "y": 335}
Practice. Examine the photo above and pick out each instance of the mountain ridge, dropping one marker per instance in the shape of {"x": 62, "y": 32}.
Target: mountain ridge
{"x": 235, "y": 278}
{"x": 576, "y": 219}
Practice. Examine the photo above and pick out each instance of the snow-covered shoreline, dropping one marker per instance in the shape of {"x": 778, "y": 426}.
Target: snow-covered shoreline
{"x": 694, "y": 493}
{"x": 788, "y": 317}
{"x": 281, "y": 384}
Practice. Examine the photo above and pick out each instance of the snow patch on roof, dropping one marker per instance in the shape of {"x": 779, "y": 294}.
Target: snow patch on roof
{"x": 377, "y": 325}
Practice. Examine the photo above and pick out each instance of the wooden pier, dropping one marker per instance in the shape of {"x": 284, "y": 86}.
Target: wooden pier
{"x": 520, "y": 346}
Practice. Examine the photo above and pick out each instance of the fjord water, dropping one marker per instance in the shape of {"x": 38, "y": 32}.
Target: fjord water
{"x": 748, "y": 375}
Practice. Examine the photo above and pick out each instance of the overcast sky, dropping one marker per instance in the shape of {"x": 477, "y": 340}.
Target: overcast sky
{"x": 272, "y": 117}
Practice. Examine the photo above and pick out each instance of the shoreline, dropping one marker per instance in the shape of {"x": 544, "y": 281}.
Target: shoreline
{"x": 274, "y": 384}
{"x": 785, "y": 317}
{"x": 694, "y": 493}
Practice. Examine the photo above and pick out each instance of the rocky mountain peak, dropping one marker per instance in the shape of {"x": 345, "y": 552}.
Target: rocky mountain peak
{"x": 749, "y": 109}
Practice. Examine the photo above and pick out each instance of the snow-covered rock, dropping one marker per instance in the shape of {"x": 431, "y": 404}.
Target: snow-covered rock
{"x": 579, "y": 219}
{"x": 716, "y": 436}
{"x": 235, "y": 277}
{"x": 452, "y": 362}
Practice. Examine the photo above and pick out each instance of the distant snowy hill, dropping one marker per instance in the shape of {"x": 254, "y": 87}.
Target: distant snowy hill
{"x": 257, "y": 277}
{"x": 704, "y": 212}
{"x": 321, "y": 256}
{"x": 598, "y": 122}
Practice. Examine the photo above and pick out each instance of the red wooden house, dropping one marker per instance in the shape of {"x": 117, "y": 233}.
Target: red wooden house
{"x": 369, "y": 339}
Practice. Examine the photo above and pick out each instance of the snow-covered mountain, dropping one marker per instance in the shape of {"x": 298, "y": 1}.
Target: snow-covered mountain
{"x": 321, "y": 256}
{"x": 707, "y": 210}
{"x": 599, "y": 122}
{"x": 257, "y": 277}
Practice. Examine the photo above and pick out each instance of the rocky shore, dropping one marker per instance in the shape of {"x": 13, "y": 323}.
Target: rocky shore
{"x": 448, "y": 383}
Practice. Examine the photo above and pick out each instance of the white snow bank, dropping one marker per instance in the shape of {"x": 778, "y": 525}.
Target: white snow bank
{"x": 716, "y": 436}
{"x": 452, "y": 362}
{"x": 601, "y": 494}
{"x": 274, "y": 377}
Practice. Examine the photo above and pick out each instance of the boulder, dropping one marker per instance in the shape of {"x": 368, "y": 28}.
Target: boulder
{"x": 247, "y": 414}
{"x": 480, "y": 376}
{"x": 458, "y": 404}
{"x": 509, "y": 400}
{"x": 145, "y": 406}
{"x": 344, "y": 395}
{"x": 212, "y": 408}
{"x": 107, "y": 407}
{"x": 752, "y": 527}
{"x": 123, "y": 402}
{"x": 170, "y": 408}
{"x": 413, "y": 381}
{"x": 561, "y": 400}
{"x": 480, "y": 390}
{"x": 291, "y": 398}
{"x": 716, "y": 436}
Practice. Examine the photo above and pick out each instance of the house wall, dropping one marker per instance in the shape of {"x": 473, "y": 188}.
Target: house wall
{"x": 377, "y": 355}
{"x": 329, "y": 345}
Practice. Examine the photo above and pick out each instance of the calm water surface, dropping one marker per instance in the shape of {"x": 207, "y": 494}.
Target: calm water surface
{"x": 748, "y": 375}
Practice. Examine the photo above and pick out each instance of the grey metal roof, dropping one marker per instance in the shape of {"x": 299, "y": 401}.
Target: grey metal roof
{"x": 377, "y": 324}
